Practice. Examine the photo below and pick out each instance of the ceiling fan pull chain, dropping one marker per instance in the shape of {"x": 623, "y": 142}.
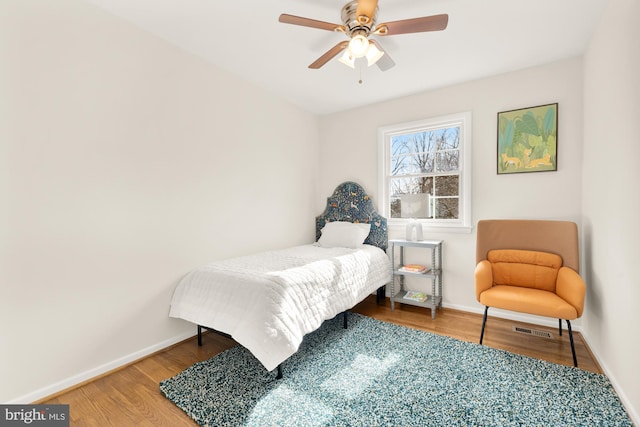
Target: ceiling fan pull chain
{"x": 360, "y": 70}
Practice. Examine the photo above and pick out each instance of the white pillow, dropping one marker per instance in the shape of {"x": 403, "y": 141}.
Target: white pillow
{"x": 343, "y": 234}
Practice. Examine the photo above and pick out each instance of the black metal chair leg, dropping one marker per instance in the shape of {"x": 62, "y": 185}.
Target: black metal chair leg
{"x": 345, "y": 319}
{"x": 573, "y": 348}
{"x": 560, "y": 327}
{"x": 279, "y": 375}
{"x": 484, "y": 321}
{"x": 199, "y": 336}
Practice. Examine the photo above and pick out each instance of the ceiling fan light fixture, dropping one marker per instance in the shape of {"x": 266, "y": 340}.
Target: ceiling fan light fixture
{"x": 373, "y": 54}
{"x": 348, "y": 59}
{"x": 358, "y": 46}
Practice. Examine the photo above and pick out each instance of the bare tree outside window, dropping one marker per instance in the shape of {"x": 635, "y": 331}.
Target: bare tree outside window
{"x": 426, "y": 162}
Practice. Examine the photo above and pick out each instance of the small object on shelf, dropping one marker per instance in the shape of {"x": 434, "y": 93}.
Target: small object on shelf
{"x": 416, "y": 296}
{"x": 414, "y": 268}
{"x": 414, "y": 230}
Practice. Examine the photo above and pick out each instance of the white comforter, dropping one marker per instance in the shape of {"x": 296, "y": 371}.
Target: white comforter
{"x": 267, "y": 302}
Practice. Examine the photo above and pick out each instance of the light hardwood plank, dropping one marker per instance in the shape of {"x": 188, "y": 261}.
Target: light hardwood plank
{"x": 131, "y": 396}
{"x": 498, "y": 332}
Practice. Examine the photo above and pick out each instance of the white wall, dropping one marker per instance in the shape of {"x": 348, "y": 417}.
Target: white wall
{"x": 349, "y": 151}
{"x": 124, "y": 163}
{"x": 611, "y": 204}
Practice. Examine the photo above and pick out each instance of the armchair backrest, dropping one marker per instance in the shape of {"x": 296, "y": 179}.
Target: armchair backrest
{"x": 529, "y": 269}
{"x": 557, "y": 237}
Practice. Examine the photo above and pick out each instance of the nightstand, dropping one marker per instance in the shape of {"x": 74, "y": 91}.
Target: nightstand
{"x": 433, "y": 273}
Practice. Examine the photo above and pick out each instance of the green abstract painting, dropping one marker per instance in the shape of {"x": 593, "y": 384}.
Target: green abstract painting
{"x": 528, "y": 139}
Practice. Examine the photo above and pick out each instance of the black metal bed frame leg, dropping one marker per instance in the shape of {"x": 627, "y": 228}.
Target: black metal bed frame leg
{"x": 484, "y": 321}
{"x": 380, "y": 294}
{"x": 573, "y": 348}
{"x": 345, "y": 316}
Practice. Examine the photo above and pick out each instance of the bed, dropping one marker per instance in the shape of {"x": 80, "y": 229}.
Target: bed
{"x": 267, "y": 302}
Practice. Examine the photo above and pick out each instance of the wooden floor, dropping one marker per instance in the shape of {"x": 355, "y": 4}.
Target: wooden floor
{"x": 130, "y": 396}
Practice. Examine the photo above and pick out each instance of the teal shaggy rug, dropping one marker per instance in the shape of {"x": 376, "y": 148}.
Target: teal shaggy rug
{"x": 379, "y": 374}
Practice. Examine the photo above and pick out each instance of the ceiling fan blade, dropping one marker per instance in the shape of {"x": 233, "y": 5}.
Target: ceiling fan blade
{"x": 366, "y": 8}
{"x": 329, "y": 55}
{"x": 385, "y": 62}
{"x": 414, "y": 25}
{"x": 307, "y": 22}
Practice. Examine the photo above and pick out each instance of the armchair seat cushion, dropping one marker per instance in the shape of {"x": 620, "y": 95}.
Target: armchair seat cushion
{"x": 528, "y": 300}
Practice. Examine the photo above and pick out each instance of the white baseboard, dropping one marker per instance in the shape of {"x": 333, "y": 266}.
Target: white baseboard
{"x": 515, "y": 316}
{"x": 97, "y": 371}
{"x": 631, "y": 411}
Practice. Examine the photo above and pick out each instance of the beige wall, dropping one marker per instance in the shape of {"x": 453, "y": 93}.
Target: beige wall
{"x": 611, "y": 205}
{"x": 349, "y": 151}
{"x": 124, "y": 163}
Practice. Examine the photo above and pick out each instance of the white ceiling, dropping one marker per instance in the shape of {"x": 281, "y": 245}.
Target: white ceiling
{"x": 484, "y": 37}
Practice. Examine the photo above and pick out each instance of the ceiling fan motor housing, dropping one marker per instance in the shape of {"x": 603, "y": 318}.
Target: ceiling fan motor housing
{"x": 357, "y": 24}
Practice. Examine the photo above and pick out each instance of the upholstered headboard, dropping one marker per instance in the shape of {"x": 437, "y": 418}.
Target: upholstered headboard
{"x": 349, "y": 202}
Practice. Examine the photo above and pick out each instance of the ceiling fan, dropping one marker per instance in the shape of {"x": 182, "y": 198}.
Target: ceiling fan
{"x": 359, "y": 22}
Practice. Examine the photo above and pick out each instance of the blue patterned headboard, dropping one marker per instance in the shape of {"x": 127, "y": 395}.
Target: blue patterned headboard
{"x": 349, "y": 202}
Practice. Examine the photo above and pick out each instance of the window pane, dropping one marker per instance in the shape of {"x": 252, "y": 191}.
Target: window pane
{"x": 448, "y": 161}
{"x": 447, "y": 185}
{"x": 423, "y": 163}
{"x": 416, "y": 206}
{"x": 409, "y": 197}
{"x": 410, "y": 143}
{"x": 449, "y": 138}
{"x": 412, "y": 153}
{"x": 415, "y": 163}
{"x": 447, "y": 208}
{"x": 399, "y": 165}
{"x": 423, "y": 141}
{"x": 414, "y": 185}
{"x": 399, "y": 145}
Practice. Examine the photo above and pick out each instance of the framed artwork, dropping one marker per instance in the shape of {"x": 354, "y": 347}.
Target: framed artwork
{"x": 528, "y": 140}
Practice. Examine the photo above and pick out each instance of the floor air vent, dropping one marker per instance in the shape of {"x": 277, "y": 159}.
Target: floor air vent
{"x": 534, "y": 332}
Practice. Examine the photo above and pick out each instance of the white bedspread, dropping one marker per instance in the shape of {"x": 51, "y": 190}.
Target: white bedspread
{"x": 267, "y": 302}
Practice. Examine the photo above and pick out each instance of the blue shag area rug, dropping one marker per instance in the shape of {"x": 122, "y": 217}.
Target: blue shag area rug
{"x": 379, "y": 374}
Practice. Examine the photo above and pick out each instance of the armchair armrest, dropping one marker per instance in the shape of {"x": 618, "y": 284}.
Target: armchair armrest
{"x": 571, "y": 288}
{"x": 483, "y": 277}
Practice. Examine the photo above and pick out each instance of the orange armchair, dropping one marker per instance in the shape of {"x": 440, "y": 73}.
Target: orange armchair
{"x": 530, "y": 266}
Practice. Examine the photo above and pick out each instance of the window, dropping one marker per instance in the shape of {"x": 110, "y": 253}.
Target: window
{"x": 425, "y": 171}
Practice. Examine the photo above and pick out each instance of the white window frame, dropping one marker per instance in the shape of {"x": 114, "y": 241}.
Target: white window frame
{"x": 385, "y": 133}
